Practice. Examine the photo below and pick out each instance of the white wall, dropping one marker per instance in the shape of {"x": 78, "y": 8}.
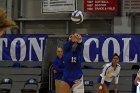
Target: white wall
{"x": 32, "y": 10}
{"x": 3, "y": 4}
{"x": 94, "y": 24}
{"x": 137, "y": 24}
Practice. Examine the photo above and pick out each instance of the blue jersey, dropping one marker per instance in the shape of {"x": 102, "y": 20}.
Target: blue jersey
{"x": 58, "y": 65}
{"x": 72, "y": 61}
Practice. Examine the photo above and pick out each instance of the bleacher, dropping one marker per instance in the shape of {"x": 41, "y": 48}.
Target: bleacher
{"x": 125, "y": 80}
{"x": 20, "y": 73}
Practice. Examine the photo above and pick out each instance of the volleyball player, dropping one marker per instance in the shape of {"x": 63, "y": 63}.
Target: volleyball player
{"x": 58, "y": 66}
{"x": 137, "y": 82}
{"x": 110, "y": 71}
{"x": 72, "y": 78}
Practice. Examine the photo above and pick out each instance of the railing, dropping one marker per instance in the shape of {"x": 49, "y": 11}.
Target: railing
{"x": 51, "y": 78}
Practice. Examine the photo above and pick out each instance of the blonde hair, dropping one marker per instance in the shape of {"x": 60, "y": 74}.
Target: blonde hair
{"x": 4, "y": 22}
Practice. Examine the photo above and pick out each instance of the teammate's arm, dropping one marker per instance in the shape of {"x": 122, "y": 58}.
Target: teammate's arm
{"x": 79, "y": 47}
{"x": 116, "y": 88}
{"x": 117, "y": 80}
{"x": 103, "y": 77}
{"x": 56, "y": 67}
{"x": 116, "y": 84}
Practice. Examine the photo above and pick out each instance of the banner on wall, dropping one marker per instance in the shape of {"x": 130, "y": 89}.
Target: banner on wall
{"x": 61, "y": 6}
{"x": 101, "y": 6}
{"x": 22, "y": 48}
{"x": 100, "y": 48}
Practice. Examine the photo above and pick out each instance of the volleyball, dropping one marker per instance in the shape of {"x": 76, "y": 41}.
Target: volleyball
{"x": 77, "y": 17}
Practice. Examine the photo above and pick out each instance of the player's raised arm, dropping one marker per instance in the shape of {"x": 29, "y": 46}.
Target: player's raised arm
{"x": 68, "y": 45}
{"x": 80, "y": 45}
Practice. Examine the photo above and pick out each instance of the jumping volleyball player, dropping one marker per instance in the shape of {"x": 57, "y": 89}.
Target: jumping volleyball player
{"x": 72, "y": 78}
{"x": 5, "y": 23}
{"x": 110, "y": 71}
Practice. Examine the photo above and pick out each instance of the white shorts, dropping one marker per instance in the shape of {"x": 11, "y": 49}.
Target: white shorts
{"x": 78, "y": 87}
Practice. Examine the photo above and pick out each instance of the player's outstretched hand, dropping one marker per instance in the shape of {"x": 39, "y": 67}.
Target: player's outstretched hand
{"x": 72, "y": 38}
{"x": 78, "y": 37}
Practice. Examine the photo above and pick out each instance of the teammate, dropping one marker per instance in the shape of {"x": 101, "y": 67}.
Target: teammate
{"x": 72, "y": 78}
{"x": 5, "y": 23}
{"x": 137, "y": 82}
{"x": 110, "y": 71}
{"x": 58, "y": 65}
{"x": 137, "y": 79}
